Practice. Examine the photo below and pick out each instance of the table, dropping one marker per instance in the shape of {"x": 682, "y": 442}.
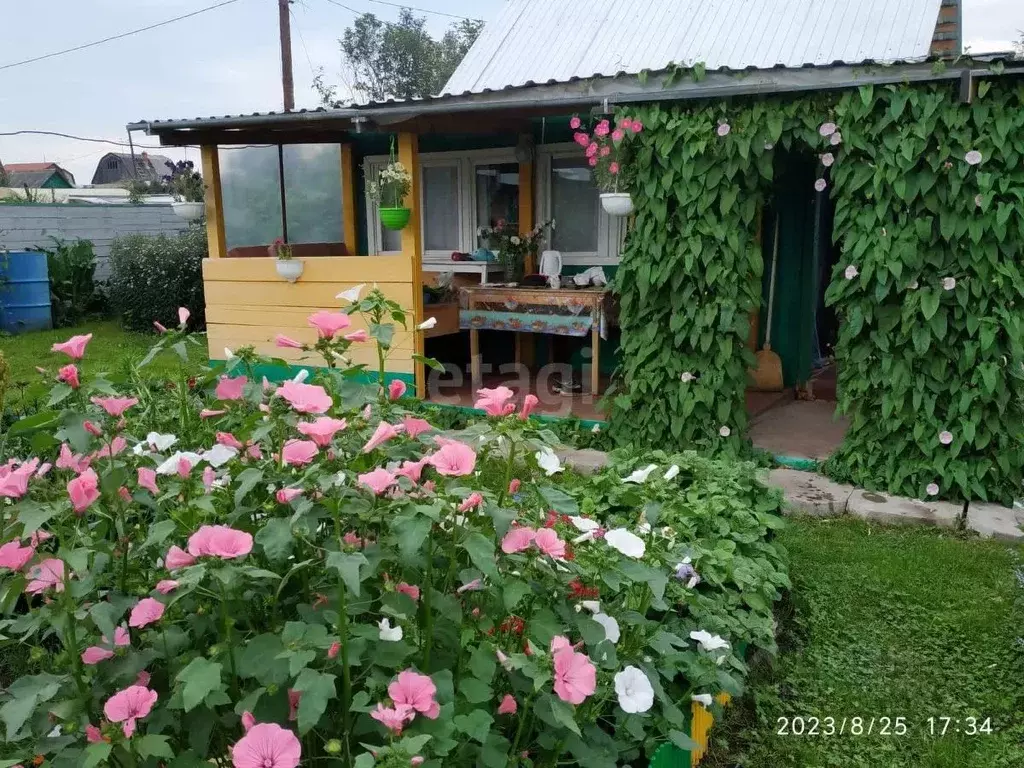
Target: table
{"x": 556, "y": 311}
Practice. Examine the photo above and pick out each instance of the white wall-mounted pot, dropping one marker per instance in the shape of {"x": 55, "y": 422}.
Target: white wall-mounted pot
{"x": 289, "y": 269}
{"x": 189, "y": 211}
{"x": 617, "y": 203}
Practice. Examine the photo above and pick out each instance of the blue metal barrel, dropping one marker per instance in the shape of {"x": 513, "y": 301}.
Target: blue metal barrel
{"x": 24, "y": 291}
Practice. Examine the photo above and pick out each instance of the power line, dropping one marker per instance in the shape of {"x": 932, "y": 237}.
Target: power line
{"x": 116, "y": 37}
{"x": 125, "y": 143}
{"x": 400, "y": 5}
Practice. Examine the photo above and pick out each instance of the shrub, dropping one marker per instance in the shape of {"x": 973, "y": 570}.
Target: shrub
{"x": 215, "y": 568}
{"x": 74, "y": 293}
{"x": 152, "y": 275}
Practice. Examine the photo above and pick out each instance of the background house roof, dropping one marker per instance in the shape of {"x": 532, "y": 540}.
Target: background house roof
{"x": 540, "y": 41}
{"x": 28, "y": 167}
{"x": 147, "y": 168}
{"x": 35, "y": 175}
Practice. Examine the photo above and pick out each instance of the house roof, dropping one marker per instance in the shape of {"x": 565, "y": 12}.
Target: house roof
{"x": 537, "y": 41}
{"x": 29, "y": 167}
{"x": 34, "y": 175}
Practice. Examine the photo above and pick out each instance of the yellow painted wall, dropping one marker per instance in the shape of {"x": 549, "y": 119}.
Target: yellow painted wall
{"x": 247, "y": 304}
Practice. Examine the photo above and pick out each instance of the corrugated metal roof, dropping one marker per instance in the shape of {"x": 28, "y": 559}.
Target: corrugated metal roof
{"x": 540, "y": 40}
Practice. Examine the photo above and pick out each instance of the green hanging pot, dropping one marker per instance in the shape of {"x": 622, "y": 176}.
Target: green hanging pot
{"x": 394, "y": 218}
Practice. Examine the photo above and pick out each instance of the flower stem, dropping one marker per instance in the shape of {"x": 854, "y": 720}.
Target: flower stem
{"x": 76, "y": 661}
{"x": 524, "y": 714}
{"x": 226, "y": 621}
{"x": 508, "y": 472}
{"x": 346, "y": 673}
{"x": 428, "y": 614}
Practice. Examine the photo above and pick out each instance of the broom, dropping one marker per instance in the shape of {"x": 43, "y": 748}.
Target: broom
{"x": 767, "y": 375}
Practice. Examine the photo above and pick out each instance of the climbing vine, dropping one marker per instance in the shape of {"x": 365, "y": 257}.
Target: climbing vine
{"x": 928, "y": 288}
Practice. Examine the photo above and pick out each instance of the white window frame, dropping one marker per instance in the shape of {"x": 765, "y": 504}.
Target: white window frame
{"x": 611, "y": 230}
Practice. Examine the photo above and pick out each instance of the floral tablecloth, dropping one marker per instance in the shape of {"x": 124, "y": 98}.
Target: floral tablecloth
{"x": 527, "y": 322}
{"x": 558, "y": 312}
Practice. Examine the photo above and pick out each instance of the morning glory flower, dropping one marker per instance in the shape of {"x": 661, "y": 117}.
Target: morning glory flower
{"x": 708, "y": 641}
{"x": 640, "y": 475}
{"x": 626, "y": 542}
{"x": 634, "y": 690}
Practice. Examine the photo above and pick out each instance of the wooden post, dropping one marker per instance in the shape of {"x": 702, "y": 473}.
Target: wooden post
{"x": 525, "y": 347}
{"x": 348, "y": 198}
{"x": 216, "y": 244}
{"x": 412, "y": 246}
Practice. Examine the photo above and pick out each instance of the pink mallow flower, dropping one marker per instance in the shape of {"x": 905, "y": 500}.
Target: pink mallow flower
{"x": 417, "y": 692}
{"x": 128, "y": 705}
{"x": 328, "y": 324}
{"x": 147, "y": 611}
{"x": 474, "y": 500}
{"x": 517, "y": 539}
{"x": 231, "y": 388}
{"x": 305, "y": 398}
{"x": 514, "y": 485}
{"x": 209, "y": 476}
{"x": 322, "y": 430}
{"x": 492, "y": 401}
{"x": 115, "y": 406}
{"x": 166, "y": 586}
{"x": 378, "y": 481}
{"x": 46, "y": 575}
{"x": 209, "y": 413}
{"x": 575, "y": 676}
{"x": 287, "y": 342}
{"x": 285, "y": 495}
{"x": 94, "y": 654}
{"x": 415, "y": 427}
{"x": 396, "y": 388}
{"x": 73, "y": 347}
{"x": 147, "y": 480}
{"x": 72, "y": 461}
{"x": 83, "y": 491}
{"x": 508, "y": 705}
{"x": 547, "y": 541}
{"x": 454, "y": 459}
{"x": 412, "y": 469}
{"x": 408, "y": 589}
{"x": 381, "y": 435}
{"x": 69, "y": 375}
{"x": 529, "y": 403}
{"x": 229, "y": 440}
{"x": 177, "y": 558}
{"x": 360, "y": 336}
{"x": 267, "y": 745}
{"x": 219, "y": 541}
{"x": 14, "y": 484}
{"x": 392, "y": 718}
{"x": 183, "y": 315}
{"x": 296, "y": 453}
{"x": 14, "y": 557}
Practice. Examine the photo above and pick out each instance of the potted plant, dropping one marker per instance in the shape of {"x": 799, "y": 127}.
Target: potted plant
{"x": 389, "y": 191}
{"x": 512, "y": 247}
{"x": 287, "y": 265}
{"x": 186, "y": 186}
{"x": 610, "y": 156}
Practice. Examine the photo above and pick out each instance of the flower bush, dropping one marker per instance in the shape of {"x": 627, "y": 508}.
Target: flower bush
{"x": 231, "y": 572}
{"x": 609, "y": 151}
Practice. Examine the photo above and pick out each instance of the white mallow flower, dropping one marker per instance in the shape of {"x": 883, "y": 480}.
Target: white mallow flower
{"x": 703, "y": 698}
{"x": 548, "y": 461}
{"x": 611, "y": 626}
{"x": 388, "y": 633}
{"x": 640, "y": 475}
{"x": 352, "y": 294}
{"x": 160, "y": 442}
{"x": 301, "y": 376}
{"x": 708, "y": 641}
{"x": 170, "y": 465}
{"x": 427, "y": 324}
{"x": 584, "y": 524}
{"x": 594, "y": 606}
{"x": 687, "y": 377}
{"x": 228, "y": 354}
{"x": 219, "y": 455}
{"x": 626, "y": 542}
{"x": 671, "y": 472}
{"x": 634, "y": 690}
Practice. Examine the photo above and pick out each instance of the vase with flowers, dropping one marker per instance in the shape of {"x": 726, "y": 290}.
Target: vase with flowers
{"x": 513, "y": 246}
{"x": 609, "y": 153}
{"x": 287, "y": 265}
{"x": 389, "y": 190}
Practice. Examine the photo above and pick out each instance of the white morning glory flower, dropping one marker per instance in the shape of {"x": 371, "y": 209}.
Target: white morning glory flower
{"x": 548, "y": 461}
{"x": 703, "y": 698}
{"x": 219, "y": 455}
{"x": 634, "y": 690}
{"x": 933, "y": 489}
{"x": 611, "y": 626}
{"x": 708, "y": 641}
{"x": 160, "y": 442}
{"x": 170, "y": 465}
{"x": 724, "y": 431}
{"x": 593, "y": 606}
{"x": 851, "y": 272}
{"x": 228, "y": 354}
{"x": 584, "y": 524}
{"x": 626, "y": 542}
{"x": 671, "y": 472}
{"x": 640, "y": 475}
{"x": 301, "y": 376}
{"x": 388, "y": 633}
{"x": 352, "y": 294}
{"x": 427, "y": 324}
{"x": 687, "y": 377}
{"x": 949, "y": 283}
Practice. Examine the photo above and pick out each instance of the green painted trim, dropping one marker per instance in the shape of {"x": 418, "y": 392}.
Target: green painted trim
{"x": 797, "y": 462}
{"x": 281, "y": 372}
{"x": 587, "y": 423}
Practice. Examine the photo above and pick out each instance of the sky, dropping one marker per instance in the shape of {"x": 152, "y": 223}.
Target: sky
{"x": 226, "y": 61}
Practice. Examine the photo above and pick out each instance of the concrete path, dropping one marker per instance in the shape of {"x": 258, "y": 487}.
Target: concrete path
{"x": 808, "y": 493}
{"x": 806, "y": 429}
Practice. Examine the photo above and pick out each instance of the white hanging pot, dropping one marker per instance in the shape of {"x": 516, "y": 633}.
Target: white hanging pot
{"x": 188, "y": 211}
{"x": 290, "y": 269}
{"x": 617, "y": 203}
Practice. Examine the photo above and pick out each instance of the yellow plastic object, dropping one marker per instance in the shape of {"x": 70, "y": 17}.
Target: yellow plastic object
{"x": 700, "y": 730}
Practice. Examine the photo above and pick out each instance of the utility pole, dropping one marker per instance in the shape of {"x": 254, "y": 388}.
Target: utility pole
{"x": 286, "y": 55}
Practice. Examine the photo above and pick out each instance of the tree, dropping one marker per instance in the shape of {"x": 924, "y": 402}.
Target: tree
{"x": 400, "y": 60}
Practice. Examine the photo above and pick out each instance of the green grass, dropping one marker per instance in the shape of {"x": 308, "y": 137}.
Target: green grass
{"x": 887, "y": 622}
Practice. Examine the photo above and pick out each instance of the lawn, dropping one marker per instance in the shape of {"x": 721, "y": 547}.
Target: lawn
{"x": 888, "y": 622}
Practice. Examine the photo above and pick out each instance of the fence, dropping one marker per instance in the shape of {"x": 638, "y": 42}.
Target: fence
{"x": 27, "y": 225}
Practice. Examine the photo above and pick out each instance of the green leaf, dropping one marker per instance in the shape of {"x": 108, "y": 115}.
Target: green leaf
{"x": 475, "y": 691}
{"x": 95, "y": 754}
{"x": 476, "y": 725}
{"x": 514, "y": 591}
{"x": 158, "y": 533}
{"x": 559, "y": 501}
{"x": 59, "y": 394}
{"x": 481, "y": 552}
{"x": 276, "y": 538}
{"x": 248, "y": 480}
{"x": 365, "y": 760}
{"x": 929, "y": 302}
{"x": 429, "y": 362}
{"x": 259, "y": 660}
{"x": 564, "y": 714}
{"x": 33, "y": 515}
{"x": 15, "y": 712}
{"x": 483, "y": 663}
{"x": 317, "y": 689}
{"x": 348, "y": 565}
{"x": 200, "y": 678}
{"x": 412, "y": 532}
{"x": 152, "y": 745}
{"x": 683, "y": 741}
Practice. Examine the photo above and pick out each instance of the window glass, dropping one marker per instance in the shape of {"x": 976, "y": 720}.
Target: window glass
{"x": 497, "y": 195}
{"x": 574, "y": 206}
{"x": 251, "y": 195}
{"x": 312, "y": 187}
{"x": 441, "y": 208}
{"x": 390, "y": 239}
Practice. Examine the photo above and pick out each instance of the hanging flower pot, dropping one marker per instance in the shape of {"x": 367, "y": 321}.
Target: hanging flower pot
{"x": 617, "y": 203}
{"x": 289, "y": 269}
{"x": 394, "y": 218}
{"x": 188, "y": 211}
